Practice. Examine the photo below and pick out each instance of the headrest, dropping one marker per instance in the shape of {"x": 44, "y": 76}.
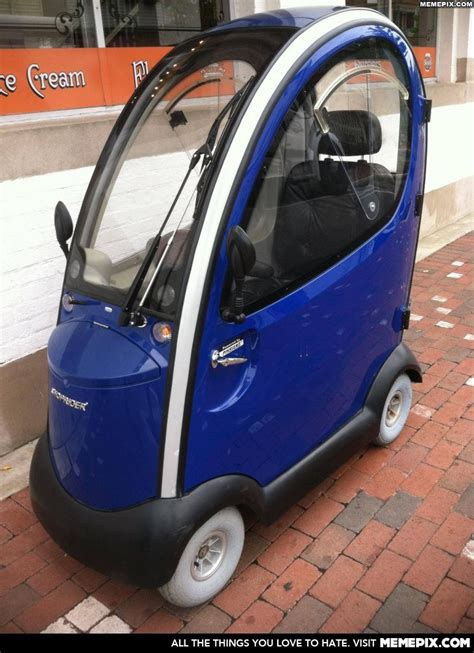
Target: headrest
{"x": 358, "y": 132}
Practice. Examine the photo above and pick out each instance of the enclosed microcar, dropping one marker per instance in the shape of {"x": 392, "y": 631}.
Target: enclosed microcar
{"x": 236, "y": 290}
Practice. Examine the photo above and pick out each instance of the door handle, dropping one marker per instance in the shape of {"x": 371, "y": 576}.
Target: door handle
{"x": 226, "y": 362}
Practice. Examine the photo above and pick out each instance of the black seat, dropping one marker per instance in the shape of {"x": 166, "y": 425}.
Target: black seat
{"x": 328, "y": 205}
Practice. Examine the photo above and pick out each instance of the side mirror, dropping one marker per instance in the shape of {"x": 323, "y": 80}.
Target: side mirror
{"x": 241, "y": 253}
{"x": 63, "y": 225}
{"x": 243, "y": 263}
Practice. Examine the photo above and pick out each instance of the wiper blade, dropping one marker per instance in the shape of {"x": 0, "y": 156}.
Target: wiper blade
{"x": 229, "y": 108}
{"x": 128, "y": 315}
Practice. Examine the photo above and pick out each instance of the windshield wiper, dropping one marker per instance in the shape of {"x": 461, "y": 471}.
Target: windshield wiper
{"x": 132, "y": 317}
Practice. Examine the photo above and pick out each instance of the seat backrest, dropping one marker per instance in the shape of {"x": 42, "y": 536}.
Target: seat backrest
{"x": 326, "y": 205}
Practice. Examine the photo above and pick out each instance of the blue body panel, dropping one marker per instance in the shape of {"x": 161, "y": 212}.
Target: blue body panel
{"x": 106, "y": 456}
{"x": 314, "y": 353}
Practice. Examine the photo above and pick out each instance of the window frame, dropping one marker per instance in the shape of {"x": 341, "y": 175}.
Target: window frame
{"x": 285, "y": 290}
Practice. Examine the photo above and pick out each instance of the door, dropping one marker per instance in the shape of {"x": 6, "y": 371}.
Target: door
{"x": 328, "y": 215}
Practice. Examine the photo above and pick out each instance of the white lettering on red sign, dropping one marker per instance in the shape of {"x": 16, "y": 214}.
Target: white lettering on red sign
{"x": 39, "y": 81}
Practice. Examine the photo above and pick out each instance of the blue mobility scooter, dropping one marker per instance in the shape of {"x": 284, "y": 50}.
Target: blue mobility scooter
{"x": 236, "y": 290}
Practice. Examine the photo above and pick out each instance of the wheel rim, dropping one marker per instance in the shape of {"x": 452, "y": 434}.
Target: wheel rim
{"x": 394, "y": 408}
{"x": 209, "y": 556}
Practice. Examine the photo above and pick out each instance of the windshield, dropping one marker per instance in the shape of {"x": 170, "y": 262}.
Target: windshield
{"x": 134, "y": 198}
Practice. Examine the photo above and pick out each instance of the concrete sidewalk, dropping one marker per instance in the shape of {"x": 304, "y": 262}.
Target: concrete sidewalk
{"x": 383, "y": 545}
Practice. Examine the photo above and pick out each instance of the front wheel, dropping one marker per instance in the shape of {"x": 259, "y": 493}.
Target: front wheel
{"x": 395, "y": 411}
{"x": 208, "y": 561}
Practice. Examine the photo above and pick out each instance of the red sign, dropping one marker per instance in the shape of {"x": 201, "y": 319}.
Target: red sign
{"x": 52, "y": 79}
{"x": 426, "y": 58}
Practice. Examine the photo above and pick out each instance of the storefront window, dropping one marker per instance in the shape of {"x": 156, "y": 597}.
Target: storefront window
{"x": 136, "y": 23}
{"x": 157, "y": 22}
{"x": 47, "y": 24}
{"x": 417, "y": 23}
{"x": 380, "y": 5}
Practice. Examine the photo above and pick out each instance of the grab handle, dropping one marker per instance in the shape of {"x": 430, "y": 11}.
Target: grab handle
{"x": 226, "y": 362}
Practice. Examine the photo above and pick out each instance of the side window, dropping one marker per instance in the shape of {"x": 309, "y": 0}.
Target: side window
{"x": 334, "y": 172}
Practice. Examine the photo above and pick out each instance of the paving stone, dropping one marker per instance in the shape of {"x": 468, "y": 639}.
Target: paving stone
{"x": 465, "y": 504}
{"x": 455, "y": 532}
{"x": 244, "y": 590}
{"x": 161, "y": 622}
{"x": 318, "y": 516}
{"x": 422, "y": 480}
{"x": 384, "y": 575}
{"x": 448, "y": 605}
{"x": 112, "y": 593}
{"x": 53, "y": 575}
{"x": 413, "y": 537}
{"x": 50, "y": 607}
{"x": 281, "y": 553}
{"x": 398, "y": 509}
{"x": 400, "y": 611}
{"x": 370, "y": 542}
{"x": 443, "y": 454}
{"x": 89, "y": 579}
{"x": 274, "y": 530}
{"x": 353, "y": 615}
{"x": 463, "y": 568}
{"x": 307, "y": 616}
{"x": 261, "y": 617}
{"x": 385, "y": 483}
{"x": 429, "y": 569}
{"x": 347, "y": 486}
{"x": 422, "y": 629}
{"x": 141, "y": 605}
{"x": 87, "y": 613}
{"x": 60, "y": 627}
{"x": 15, "y": 601}
{"x": 292, "y": 584}
{"x": 410, "y": 455}
{"x": 466, "y": 626}
{"x": 113, "y": 625}
{"x": 19, "y": 571}
{"x": 338, "y": 581}
{"x": 359, "y": 512}
{"x": 437, "y": 505}
{"x": 254, "y": 545}
{"x": 327, "y": 546}
{"x": 467, "y": 454}
{"x": 458, "y": 477}
{"x": 209, "y": 620}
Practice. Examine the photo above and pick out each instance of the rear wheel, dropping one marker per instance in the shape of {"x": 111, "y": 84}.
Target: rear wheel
{"x": 395, "y": 411}
{"x": 208, "y": 561}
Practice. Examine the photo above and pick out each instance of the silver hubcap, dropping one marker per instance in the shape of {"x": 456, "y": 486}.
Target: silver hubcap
{"x": 209, "y": 556}
{"x": 394, "y": 409}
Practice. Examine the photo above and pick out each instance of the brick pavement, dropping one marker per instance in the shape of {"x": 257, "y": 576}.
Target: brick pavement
{"x": 382, "y": 545}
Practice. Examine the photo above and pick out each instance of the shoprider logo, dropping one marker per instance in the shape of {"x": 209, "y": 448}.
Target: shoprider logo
{"x": 72, "y": 403}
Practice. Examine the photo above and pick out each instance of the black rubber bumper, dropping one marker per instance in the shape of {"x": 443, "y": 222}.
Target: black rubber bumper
{"x": 140, "y": 545}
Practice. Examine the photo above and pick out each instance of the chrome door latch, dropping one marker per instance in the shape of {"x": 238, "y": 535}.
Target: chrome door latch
{"x": 216, "y": 360}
